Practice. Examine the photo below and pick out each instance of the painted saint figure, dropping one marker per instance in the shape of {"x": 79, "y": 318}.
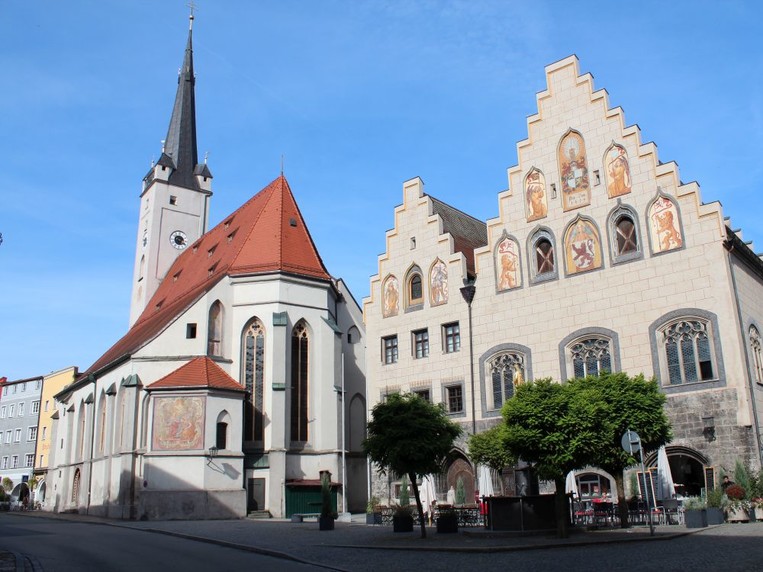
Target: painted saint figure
{"x": 535, "y": 194}
{"x": 508, "y": 260}
{"x": 663, "y": 218}
{"x": 438, "y": 280}
{"x": 391, "y": 297}
{"x": 618, "y": 172}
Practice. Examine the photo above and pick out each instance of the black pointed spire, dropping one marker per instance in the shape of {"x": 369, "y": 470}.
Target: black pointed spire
{"x": 180, "y": 144}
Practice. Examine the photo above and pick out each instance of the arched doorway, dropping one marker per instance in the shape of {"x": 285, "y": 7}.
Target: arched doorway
{"x": 689, "y": 469}
{"x": 39, "y": 495}
{"x": 593, "y": 483}
{"x": 460, "y": 469}
{"x": 75, "y": 488}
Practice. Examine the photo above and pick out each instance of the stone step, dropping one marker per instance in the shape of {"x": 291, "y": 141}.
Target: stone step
{"x": 259, "y": 514}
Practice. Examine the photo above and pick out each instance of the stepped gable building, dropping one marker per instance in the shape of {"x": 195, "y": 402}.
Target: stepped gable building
{"x": 600, "y": 258}
{"x": 242, "y": 373}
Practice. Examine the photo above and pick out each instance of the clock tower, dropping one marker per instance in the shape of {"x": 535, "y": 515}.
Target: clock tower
{"x": 174, "y": 204}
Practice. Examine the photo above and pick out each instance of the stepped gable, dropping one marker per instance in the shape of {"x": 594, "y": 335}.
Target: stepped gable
{"x": 265, "y": 235}
{"x": 468, "y": 233}
{"x": 200, "y": 372}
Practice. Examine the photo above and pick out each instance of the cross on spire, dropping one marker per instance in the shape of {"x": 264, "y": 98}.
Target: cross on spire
{"x": 192, "y": 6}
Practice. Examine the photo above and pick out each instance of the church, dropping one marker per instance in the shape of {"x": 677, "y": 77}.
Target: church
{"x": 241, "y": 379}
{"x": 600, "y": 258}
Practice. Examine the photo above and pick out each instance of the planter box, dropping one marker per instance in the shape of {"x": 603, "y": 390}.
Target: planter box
{"x": 715, "y": 516}
{"x": 373, "y": 518}
{"x": 695, "y": 518}
{"x": 402, "y": 523}
{"x": 326, "y": 523}
{"x": 737, "y": 515}
{"x": 447, "y": 524}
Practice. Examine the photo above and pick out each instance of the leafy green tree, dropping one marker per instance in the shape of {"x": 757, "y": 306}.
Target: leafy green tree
{"x": 633, "y": 403}
{"x": 557, "y": 428}
{"x": 410, "y": 436}
{"x": 460, "y": 492}
{"x": 488, "y": 448}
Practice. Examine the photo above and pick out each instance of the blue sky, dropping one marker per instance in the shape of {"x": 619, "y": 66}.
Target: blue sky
{"x": 357, "y": 96}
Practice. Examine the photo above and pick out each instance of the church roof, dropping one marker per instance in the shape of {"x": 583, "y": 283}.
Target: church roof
{"x": 200, "y": 372}
{"x": 468, "y": 232}
{"x": 266, "y": 234}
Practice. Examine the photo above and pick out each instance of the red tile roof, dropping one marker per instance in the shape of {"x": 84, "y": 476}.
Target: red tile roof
{"x": 266, "y": 234}
{"x": 197, "y": 373}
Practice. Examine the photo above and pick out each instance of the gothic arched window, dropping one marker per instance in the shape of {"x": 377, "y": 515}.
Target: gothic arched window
{"x": 215, "y": 330}
{"x": 254, "y": 380}
{"x": 591, "y": 356}
{"x": 506, "y": 370}
{"x": 299, "y": 382}
{"x": 688, "y": 351}
{"x": 757, "y": 357}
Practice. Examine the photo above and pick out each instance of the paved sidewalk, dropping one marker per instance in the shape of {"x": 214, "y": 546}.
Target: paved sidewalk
{"x": 305, "y": 543}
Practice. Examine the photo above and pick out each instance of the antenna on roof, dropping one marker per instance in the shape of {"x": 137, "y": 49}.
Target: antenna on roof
{"x": 282, "y": 164}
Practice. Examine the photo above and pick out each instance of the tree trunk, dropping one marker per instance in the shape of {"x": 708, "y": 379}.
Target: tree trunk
{"x": 415, "y": 487}
{"x": 562, "y": 508}
{"x": 622, "y": 503}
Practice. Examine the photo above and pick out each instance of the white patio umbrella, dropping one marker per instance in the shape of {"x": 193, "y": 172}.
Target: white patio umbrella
{"x": 665, "y": 485}
{"x": 428, "y": 493}
{"x": 486, "y": 481}
{"x": 571, "y": 485}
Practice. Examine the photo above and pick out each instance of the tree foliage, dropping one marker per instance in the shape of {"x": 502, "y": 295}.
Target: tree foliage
{"x": 488, "y": 448}
{"x": 410, "y": 436}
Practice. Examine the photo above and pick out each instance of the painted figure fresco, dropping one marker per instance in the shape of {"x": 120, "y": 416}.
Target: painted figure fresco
{"x": 535, "y": 195}
{"x": 663, "y": 225}
{"x": 178, "y": 423}
{"x": 391, "y": 300}
{"x": 438, "y": 283}
{"x": 582, "y": 247}
{"x": 618, "y": 171}
{"x": 573, "y": 166}
{"x": 507, "y": 264}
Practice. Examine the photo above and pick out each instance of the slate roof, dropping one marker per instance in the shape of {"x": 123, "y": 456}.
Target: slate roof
{"x": 267, "y": 234}
{"x": 200, "y": 372}
{"x": 468, "y": 232}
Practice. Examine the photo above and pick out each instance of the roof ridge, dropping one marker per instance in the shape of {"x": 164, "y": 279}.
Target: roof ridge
{"x": 254, "y": 224}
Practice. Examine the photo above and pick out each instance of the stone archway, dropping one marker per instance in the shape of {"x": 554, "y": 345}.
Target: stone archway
{"x": 75, "y": 488}
{"x": 460, "y": 468}
{"x": 689, "y": 469}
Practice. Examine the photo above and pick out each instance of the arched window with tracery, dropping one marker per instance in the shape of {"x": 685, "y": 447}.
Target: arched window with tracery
{"x": 757, "y": 356}
{"x": 506, "y": 371}
{"x": 591, "y": 356}
{"x": 254, "y": 380}
{"x": 688, "y": 351}
{"x": 215, "y": 330}
{"x": 299, "y": 382}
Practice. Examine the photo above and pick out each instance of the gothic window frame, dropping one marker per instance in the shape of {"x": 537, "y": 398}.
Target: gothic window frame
{"x": 615, "y": 216}
{"x": 215, "y": 324}
{"x": 569, "y": 271}
{"x": 663, "y": 195}
{"x": 253, "y": 370}
{"x": 487, "y": 398}
{"x": 657, "y": 338}
{"x": 538, "y": 235}
{"x": 606, "y": 163}
{"x": 301, "y": 362}
{"x": 756, "y": 353}
{"x": 566, "y": 357}
{"x": 411, "y": 303}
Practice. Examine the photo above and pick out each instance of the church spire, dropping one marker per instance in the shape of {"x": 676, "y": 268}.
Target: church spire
{"x": 180, "y": 144}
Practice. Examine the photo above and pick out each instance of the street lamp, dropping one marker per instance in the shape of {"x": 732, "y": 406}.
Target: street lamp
{"x": 468, "y": 291}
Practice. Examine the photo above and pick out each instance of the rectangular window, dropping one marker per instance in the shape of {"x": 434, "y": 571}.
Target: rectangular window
{"x": 46, "y": 404}
{"x": 451, "y": 337}
{"x": 14, "y": 462}
{"x": 44, "y": 433}
{"x": 2, "y": 412}
{"x": 23, "y": 386}
{"x": 32, "y": 435}
{"x": 5, "y": 390}
{"x": 5, "y": 462}
{"x": 7, "y": 436}
{"x": 35, "y": 406}
{"x": 12, "y": 411}
{"x": 37, "y": 384}
{"x": 17, "y": 436}
{"x": 455, "y": 396}
{"x": 421, "y": 343}
{"x": 29, "y": 460}
{"x": 423, "y": 394}
{"x": 41, "y": 459}
{"x": 390, "y": 349}
{"x": 21, "y": 409}
{"x": 190, "y": 331}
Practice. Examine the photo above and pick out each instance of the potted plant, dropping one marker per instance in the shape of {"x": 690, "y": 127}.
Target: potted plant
{"x": 326, "y": 519}
{"x": 738, "y": 505}
{"x": 447, "y": 522}
{"x": 402, "y": 519}
{"x": 695, "y": 512}
{"x": 373, "y": 511}
{"x": 716, "y": 503}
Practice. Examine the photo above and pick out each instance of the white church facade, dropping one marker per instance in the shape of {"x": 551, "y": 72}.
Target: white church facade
{"x": 242, "y": 375}
{"x": 600, "y": 258}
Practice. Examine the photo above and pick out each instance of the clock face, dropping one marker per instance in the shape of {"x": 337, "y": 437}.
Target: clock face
{"x": 179, "y": 240}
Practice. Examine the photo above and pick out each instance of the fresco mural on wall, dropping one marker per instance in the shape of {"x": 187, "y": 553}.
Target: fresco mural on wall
{"x": 438, "y": 283}
{"x": 618, "y": 171}
{"x": 664, "y": 226}
{"x": 507, "y": 264}
{"x": 582, "y": 247}
{"x": 178, "y": 423}
{"x": 573, "y": 167}
{"x": 535, "y": 195}
{"x": 391, "y": 298}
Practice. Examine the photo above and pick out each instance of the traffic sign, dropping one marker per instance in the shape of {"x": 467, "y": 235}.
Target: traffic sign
{"x": 631, "y": 442}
